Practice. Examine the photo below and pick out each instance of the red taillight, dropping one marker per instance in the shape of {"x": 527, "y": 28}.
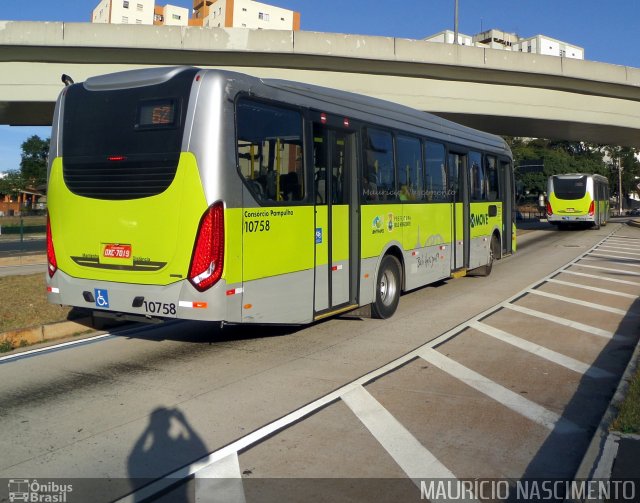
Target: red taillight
{"x": 592, "y": 209}
{"x": 51, "y": 253}
{"x": 207, "y": 260}
{"x": 549, "y": 210}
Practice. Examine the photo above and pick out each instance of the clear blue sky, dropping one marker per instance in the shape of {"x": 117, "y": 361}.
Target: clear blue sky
{"x": 606, "y": 30}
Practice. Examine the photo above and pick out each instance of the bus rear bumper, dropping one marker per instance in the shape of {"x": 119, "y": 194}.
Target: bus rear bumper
{"x": 177, "y": 300}
{"x": 570, "y": 218}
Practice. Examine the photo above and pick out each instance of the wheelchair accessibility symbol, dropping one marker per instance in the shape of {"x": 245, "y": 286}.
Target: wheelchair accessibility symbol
{"x": 102, "y": 298}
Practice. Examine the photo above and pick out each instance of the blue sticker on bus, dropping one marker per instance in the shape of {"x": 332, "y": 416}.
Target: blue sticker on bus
{"x": 102, "y": 298}
{"x": 318, "y": 235}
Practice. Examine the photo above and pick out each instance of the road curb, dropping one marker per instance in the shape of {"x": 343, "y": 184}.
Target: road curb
{"x": 634, "y": 223}
{"x": 598, "y": 460}
{"x": 44, "y": 333}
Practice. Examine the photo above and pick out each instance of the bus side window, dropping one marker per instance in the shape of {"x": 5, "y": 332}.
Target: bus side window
{"x": 491, "y": 171}
{"x": 409, "y": 161}
{"x": 270, "y": 153}
{"x": 379, "y": 174}
{"x": 477, "y": 178}
{"x": 436, "y": 174}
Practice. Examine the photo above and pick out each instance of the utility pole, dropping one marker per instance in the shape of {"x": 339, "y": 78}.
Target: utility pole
{"x": 455, "y": 23}
{"x": 619, "y": 187}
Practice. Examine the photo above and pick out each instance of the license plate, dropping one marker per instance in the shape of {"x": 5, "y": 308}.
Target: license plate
{"x": 111, "y": 250}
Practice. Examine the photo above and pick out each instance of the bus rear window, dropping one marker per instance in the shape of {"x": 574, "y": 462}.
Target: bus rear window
{"x": 570, "y": 188}
{"x": 124, "y": 143}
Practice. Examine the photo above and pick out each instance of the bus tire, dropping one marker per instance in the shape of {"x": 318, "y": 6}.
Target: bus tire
{"x": 494, "y": 254}
{"x": 388, "y": 286}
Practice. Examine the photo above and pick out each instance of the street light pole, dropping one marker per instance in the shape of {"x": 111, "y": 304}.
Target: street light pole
{"x": 455, "y": 23}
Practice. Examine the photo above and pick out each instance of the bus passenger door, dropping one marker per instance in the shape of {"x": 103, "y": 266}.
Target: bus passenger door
{"x": 334, "y": 170}
{"x": 460, "y": 225}
{"x": 506, "y": 190}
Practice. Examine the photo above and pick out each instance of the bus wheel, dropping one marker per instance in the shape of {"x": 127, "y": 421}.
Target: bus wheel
{"x": 388, "y": 286}
{"x": 494, "y": 254}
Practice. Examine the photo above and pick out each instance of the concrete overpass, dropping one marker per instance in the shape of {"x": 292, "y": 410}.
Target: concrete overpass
{"x": 509, "y": 93}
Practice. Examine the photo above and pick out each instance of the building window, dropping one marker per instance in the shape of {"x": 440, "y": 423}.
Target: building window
{"x": 244, "y": 25}
{"x": 264, "y": 16}
{"x": 125, "y": 19}
{"x": 281, "y": 19}
{"x": 138, "y": 21}
{"x": 140, "y": 6}
{"x": 158, "y": 17}
{"x": 260, "y": 15}
{"x": 177, "y": 17}
{"x": 125, "y": 4}
{"x": 563, "y": 53}
{"x": 244, "y": 9}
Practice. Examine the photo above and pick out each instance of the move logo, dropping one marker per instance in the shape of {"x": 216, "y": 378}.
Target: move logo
{"x": 377, "y": 225}
{"x": 478, "y": 220}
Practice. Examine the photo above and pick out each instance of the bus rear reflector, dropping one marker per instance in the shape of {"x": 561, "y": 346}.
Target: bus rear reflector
{"x": 51, "y": 253}
{"x": 207, "y": 259}
{"x": 549, "y": 210}
{"x": 592, "y": 209}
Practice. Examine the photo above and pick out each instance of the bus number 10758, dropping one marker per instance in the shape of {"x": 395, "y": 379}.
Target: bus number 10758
{"x": 256, "y": 225}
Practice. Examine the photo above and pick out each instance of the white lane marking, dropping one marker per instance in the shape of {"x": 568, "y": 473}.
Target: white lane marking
{"x": 622, "y": 271}
{"x": 578, "y": 302}
{"x": 32, "y": 352}
{"x": 563, "y": 321}
{"x": 220, "y": 481}
{"x": 614, "y": 247}
{"x": 541, "y": 351}
{"x": 616, "y": 250}
{"x": 414, "y": 459}
{"x": 592, "y": 288}
{"x": 495, "y": 391}
{"x": 629, "y": 263}
{"x": 603, "y": 278}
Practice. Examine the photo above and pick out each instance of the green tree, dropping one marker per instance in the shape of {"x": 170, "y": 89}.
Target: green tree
{"x": 33, "y": 165}
{"x": 12, "y": 183}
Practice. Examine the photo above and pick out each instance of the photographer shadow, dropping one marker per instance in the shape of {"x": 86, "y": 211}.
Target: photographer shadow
{"x": 168, "y": 442}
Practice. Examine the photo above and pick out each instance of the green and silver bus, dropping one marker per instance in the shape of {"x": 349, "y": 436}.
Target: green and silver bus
{"x": 212, "y": 195}
{"x": 578, "y": 199}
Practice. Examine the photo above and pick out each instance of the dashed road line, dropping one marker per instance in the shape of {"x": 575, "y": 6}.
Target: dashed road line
{"x": 602, "y": 278}
{"x": 578, "y": 302}
{"x": 610, "y": 269}
{"x": 614, "y": 259}
{"x": 514, "y": 401}
{"x": 541, "y": 351}
{"x": 563, "y": 321}
{"x": 616, "y": 250}
{"x": 592, "y": 288}
{"x": 414, "y": 459}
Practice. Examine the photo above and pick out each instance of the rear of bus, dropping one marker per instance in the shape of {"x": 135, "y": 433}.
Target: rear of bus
{"x": 130, "y": 229}
{"x": 570, "y": 199}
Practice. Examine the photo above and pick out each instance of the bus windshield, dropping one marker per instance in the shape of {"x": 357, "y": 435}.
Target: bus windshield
{"x": 570, "y": 188}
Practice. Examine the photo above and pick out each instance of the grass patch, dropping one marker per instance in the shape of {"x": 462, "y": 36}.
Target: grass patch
{"x": 23, "y": 303}
{"x": 628, "y": 420}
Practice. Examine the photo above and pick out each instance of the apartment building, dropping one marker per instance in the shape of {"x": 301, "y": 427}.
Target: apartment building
{"x": 541, "y": 44}
{"x": 243, "y": 14}
{"x": 506, "y": 41}
{"x": 139, "y": 12}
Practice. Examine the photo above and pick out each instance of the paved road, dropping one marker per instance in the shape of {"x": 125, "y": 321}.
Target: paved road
{"x": 513, "y": 394}
{"x": 13, "y": 247}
